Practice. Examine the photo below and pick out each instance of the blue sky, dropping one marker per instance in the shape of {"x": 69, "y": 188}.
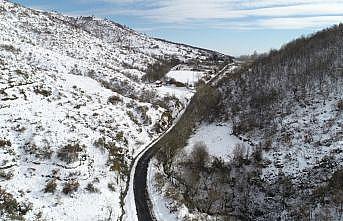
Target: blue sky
{"x": 233, "y": 27}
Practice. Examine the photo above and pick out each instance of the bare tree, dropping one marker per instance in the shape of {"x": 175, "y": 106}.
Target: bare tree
{"x": 199, "y": 155}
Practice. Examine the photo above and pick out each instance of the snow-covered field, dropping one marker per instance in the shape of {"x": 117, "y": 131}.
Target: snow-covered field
{"x": 217, "y": 137}
{"x": 185, "y": 76}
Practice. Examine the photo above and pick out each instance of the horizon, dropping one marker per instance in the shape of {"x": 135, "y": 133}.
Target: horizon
{"x": 231, "y": 27}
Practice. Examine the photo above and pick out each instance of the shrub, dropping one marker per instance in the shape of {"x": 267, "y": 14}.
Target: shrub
{"x": 340, "y": 105}
{"x": 70, "y": 152}
{"x": 42, "y": 91}
{"x": 50, "y": 186}
{"x": 199, "y": 155}
{"x": 336, "y": 181}
{"x": 111, "y": 186}
{"x": 4, "y": 142}
{"x": 91, "y": 188}
{"x": 258, "y": 154}
{"x": 114, "y": 100}
{"x": 9, "y": 48}
{"x": 6, "y": 176}
{"x": 44, "y": 154}
{"x": 147, "y": 95}
{"x": 9, "y": 206}
{"x": 159, "y": 181}
{"x": 132, "y": 117}
{"x": 120, "y": 137}
{"x": 100, "y": 143}
{"x": 143, "y": 110}
{"x": 238, "y": 154}
{"x": 70, "y": 186}
{"x": 160, "y": 68}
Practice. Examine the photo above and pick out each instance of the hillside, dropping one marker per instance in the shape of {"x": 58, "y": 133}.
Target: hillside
{"x": 75, "y": 109}
{"x": 272, "y": 148}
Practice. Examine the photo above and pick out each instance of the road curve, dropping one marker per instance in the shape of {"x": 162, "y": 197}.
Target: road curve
{"x": 140, "y": 190}
{"x": 142, "y": 199}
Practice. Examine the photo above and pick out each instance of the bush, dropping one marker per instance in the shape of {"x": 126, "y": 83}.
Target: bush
{"x": 70, "y": 186}
{"x": 143, "y": 112}
{"x": 238, "y": 154}
{"x": 50, "y": 186}
{"x": 9, "y": 48}
{"x": 111, "y": 186}
{"x": 132, "y": 117}
{"x": 8, "y": 205}
{"x": 4, "y": 142}
{"x": 336, "y": 181}
{"x": 70, "y": 152}
{"x": 147, "y": 96}
{"x": 199, "y": 155}
{"x": 42, "y": 91}
{"x": 258, "y": 154}
{"x": 6, "y": 176}
{"x": 91, "y": 188}
{"x": 340, "y": 105}
{"x": 160, "y": 68}
{"x": 114, "y": 100}
{"x": 121, "y": 138}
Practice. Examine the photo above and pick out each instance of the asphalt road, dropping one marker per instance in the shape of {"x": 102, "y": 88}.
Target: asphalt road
{"x": 142, "y": 199}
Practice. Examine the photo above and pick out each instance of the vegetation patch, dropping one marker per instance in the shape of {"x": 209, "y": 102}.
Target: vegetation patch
{"x": 70, "y": 153}
{"x": 70, "y": 187}
{"x": 50, "y": 186}
{"x": 10, "y": 208}
{"x": 114, "y": 100}
{"x": 4, "y": 142}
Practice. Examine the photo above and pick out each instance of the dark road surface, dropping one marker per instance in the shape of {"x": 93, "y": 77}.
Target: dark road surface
{"x": 142, "y": 200}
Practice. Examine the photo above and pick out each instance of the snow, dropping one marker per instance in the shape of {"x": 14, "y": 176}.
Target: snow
{"x": 218, "y": 138}
{"x": 185, "y": 76}
{"x": 179, "y": 92}
{"x": 220, "y": 143}
{"x": 322, "y": 123}
{"x": 56, "y": 79}
{"x": 159, "y": 203}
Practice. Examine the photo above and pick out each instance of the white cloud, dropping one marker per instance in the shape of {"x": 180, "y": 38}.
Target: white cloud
{"x": 241, "y": 13}
{"x": 281, "y": 23}
{"x": 299, "y": 23}
{"x": 190, "y": 10}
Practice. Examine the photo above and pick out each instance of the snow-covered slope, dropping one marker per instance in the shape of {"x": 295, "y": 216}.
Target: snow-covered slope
{"x": 74, "y": 111}
{"x": 287, "y": 108}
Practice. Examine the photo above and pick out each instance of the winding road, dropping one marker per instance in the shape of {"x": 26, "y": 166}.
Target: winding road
{"x": 142, "y": 199}
{"x": 141, "y": 196}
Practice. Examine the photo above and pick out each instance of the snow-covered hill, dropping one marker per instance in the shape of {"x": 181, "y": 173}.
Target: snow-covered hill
{"x": 74, "y": 111}
{"x": 272, "y": 149}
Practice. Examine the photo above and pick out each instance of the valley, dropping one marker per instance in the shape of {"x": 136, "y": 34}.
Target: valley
{"x": 101, "y": 122}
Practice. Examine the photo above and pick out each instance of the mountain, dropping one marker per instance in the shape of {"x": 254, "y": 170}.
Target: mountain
{"x": 272, "y": 146}
{"x": 76, "y": 106}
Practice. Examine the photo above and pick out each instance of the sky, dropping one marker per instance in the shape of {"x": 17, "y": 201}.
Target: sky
{"x": 233, "y": 27}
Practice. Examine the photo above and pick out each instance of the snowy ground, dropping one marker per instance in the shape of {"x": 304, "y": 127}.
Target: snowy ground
{"x": 218, "y": 138}
{"x": 220, "y": 143}
{"x": 185, "y": 76}
{"x": 305, "y": 143}
{"x": 159, "y": 202}
{"x": 67, "y": 81}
